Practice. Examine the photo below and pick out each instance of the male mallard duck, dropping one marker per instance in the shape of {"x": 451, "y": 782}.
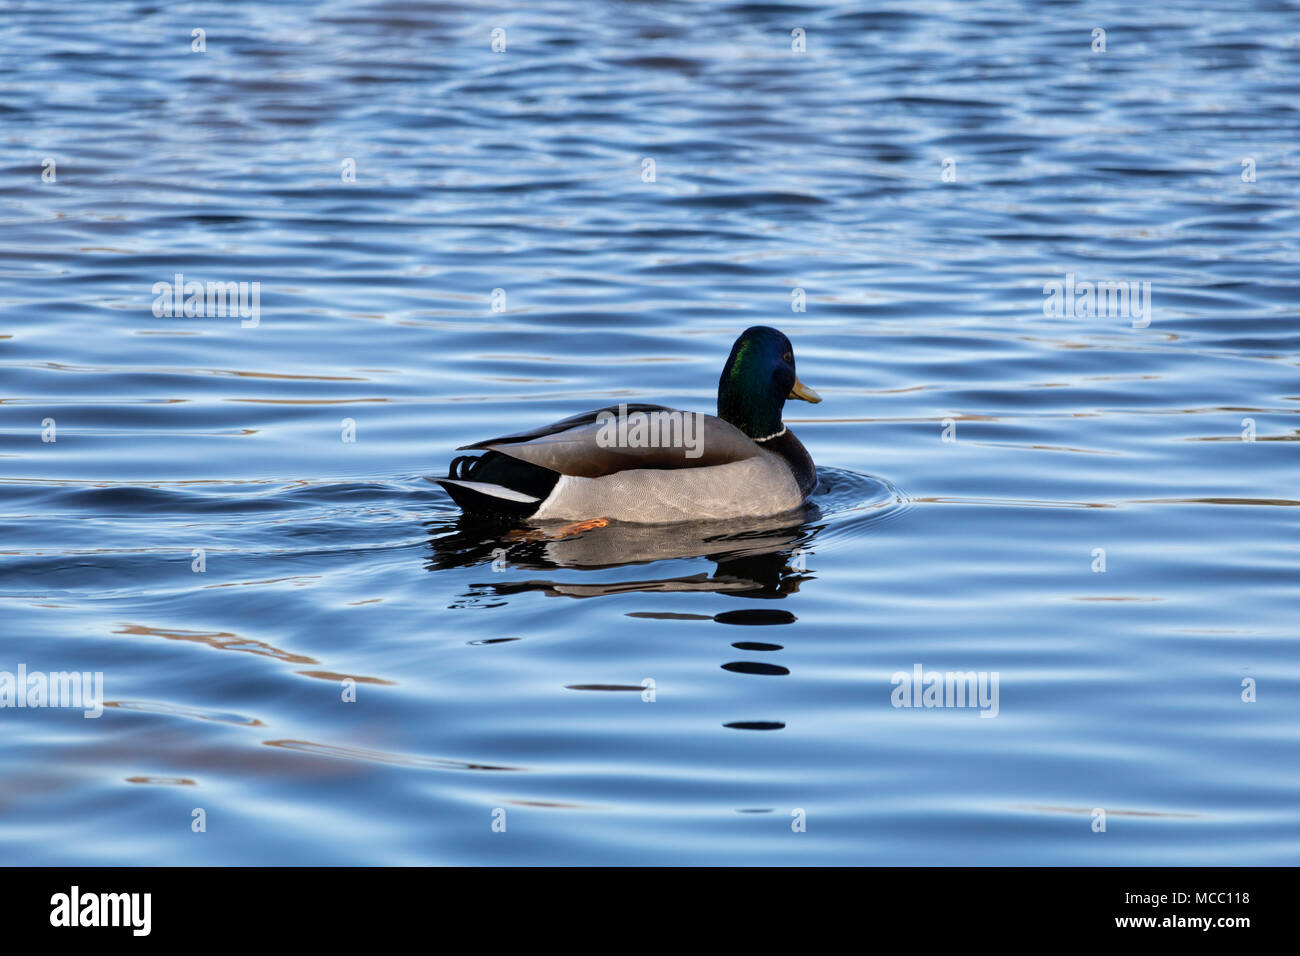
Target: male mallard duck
{"x": 651, "y": 464}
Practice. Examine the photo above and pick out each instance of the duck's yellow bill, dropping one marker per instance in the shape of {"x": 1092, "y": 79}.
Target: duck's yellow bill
{"x": 804, "y": 393}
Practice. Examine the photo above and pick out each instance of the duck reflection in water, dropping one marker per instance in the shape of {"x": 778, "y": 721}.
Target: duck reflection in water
{"x": 754, "y": 557}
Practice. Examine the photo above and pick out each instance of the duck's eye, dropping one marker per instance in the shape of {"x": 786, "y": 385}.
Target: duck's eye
{"x": 788, "y": 357}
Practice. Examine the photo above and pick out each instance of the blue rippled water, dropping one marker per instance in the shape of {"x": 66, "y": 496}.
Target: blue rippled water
{"x": 1099, "y": 509}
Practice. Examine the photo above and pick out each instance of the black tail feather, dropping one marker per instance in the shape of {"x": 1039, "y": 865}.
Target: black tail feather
{"x": 497, "y": 469}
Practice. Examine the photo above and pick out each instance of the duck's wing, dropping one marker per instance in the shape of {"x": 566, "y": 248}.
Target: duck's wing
{"x": 591, "y": 445}
{"x": 582, "y": 418}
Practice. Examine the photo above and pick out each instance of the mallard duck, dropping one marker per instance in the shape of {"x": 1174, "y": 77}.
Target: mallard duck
{"x": 651, "y": 464}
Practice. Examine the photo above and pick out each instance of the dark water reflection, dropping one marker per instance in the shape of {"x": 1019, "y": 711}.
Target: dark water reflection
{"x": 765, "y": 561}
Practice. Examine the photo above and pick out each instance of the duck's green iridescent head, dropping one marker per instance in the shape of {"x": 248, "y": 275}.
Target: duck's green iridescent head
{"x": 756, "y": 381}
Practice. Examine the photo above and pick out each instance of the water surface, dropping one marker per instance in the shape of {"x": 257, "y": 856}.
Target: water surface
{"x": 496, "y": 673}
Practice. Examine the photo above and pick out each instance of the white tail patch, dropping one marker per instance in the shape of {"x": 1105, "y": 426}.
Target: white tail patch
{"x": 496, "y": 491}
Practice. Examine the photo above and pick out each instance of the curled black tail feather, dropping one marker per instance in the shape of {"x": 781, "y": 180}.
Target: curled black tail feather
{"x": 467, "y": 465}
{"x": 494, "y": 468}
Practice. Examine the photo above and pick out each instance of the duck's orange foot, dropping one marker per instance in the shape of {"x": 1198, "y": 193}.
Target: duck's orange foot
{"x": 555, "y": 534}
{"x": 569, "y": 530}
